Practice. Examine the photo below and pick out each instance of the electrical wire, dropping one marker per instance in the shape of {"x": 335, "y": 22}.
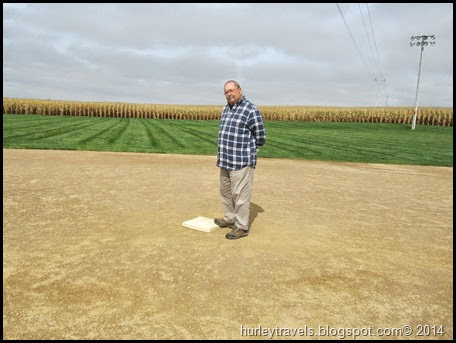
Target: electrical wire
{"x": 354, "y": 42}
{"x": 369, "y": 41}
{"x": 375, "y": 43}
{"x": 380, "y": 80}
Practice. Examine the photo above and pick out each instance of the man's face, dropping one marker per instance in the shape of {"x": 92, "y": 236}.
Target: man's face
{"x": 232, "y": 93}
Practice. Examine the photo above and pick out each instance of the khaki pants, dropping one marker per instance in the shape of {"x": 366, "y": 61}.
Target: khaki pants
{"x": 235, "y": 191}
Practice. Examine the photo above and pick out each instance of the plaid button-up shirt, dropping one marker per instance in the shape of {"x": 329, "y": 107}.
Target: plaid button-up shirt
{"x": 241, "y": 132}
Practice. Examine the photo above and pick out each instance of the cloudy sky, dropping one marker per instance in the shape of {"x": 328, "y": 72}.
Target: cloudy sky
{"x": 282, "y": 54}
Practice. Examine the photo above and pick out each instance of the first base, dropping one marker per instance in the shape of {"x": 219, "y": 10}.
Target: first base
{"x": 201, "y": 224}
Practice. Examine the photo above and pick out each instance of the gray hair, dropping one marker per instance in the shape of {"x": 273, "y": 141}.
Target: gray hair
{"x": 232, "y": 81}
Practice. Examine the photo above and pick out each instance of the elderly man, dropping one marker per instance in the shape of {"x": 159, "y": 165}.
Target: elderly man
{"x": 241, "y": 132}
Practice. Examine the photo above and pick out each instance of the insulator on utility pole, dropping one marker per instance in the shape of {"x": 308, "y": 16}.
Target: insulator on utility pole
{"x": 420, "y": 41}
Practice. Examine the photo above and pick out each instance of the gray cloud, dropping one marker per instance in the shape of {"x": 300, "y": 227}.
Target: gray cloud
{"x": 282, "y": 54}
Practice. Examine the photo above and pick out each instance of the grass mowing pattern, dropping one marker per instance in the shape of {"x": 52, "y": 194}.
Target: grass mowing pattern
{"x": 361, "y": 142}
{"x": 345, "y": 142}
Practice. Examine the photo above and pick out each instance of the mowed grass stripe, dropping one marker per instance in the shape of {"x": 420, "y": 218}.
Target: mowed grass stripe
{"x": 201, "y": 134}
{"x": 160, "y": 140}
{"x": 311, "y": 145}
{"x": 24, "y": 130}
{"x": 199, "y": 138}
{"x": 189, "y": 138}
{"x": 133, "y": 136}
{"x": 49, "y": 130}
{"x": 314, "y": 148}
{"x": 361, "y": 142}
{"x": 283, "y": 148}
{"x": 303, "y": 140}
{"x": 81, "y": 129}
{"x": 16, "y": 128}
{"x": 119, "y": 130}
{"x": 97, "y": 135}
{"x": 32, "y": 121}
{"x": 169, "y": 134}
{"x": 118, "y": 134}
{"x": 153, "y": 138}
{"x": 349, "y": 142}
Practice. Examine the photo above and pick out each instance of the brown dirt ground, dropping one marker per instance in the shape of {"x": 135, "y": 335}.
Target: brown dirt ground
{"x": 93, "y": 248}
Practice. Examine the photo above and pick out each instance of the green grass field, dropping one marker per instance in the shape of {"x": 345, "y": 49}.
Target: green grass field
{"x": 345, "y": 142}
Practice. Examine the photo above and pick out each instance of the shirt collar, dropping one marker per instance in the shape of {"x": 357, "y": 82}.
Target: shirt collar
{"x": 238, "y": 103}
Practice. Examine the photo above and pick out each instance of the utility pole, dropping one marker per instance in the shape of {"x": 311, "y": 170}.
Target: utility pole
{"x": 420, "y": 41}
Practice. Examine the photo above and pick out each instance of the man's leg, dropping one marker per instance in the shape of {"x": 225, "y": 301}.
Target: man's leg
{"x": 241, "y": 190}
{"x": 226, "y": 196}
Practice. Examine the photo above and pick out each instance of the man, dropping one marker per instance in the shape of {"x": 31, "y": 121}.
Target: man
{"x": 241, "y": 132}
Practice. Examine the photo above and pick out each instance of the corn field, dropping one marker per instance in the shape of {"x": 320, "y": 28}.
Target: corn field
{"x": 441, "y": 116}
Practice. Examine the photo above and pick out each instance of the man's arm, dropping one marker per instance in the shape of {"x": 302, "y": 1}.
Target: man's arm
{"x": 256, "y": 125}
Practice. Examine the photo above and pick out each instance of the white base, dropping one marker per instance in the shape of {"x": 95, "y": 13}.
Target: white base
{"x": 201, "y": 224}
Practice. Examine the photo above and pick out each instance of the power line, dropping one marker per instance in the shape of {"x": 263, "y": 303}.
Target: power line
{"x": 375, "y": 43}
{"x": 367, "y": 34}
{"x": 382, "y": 77}
{"x": 354, "y": 41}
{"x": 375, "y": 56}
{"x": 376, "y": 75}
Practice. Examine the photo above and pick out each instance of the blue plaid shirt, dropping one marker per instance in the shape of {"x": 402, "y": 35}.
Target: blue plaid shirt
{"x": 241, "y": 132}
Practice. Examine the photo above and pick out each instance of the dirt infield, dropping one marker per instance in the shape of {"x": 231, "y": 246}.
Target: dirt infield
{"x": 93, "y": 248}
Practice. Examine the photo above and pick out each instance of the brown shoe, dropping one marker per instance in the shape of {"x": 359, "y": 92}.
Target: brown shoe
{"x": 223, "y": 223}
{"x": 237, "y": 233}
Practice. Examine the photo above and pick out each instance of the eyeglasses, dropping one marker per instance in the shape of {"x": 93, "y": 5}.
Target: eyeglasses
{"x": 230, "y": 91}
